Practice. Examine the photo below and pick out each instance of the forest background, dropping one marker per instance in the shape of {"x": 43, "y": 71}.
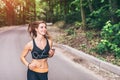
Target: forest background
{"x": 92, "y": 26}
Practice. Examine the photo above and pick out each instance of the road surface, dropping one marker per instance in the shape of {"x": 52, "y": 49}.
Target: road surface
{"x": 11, "y": 68}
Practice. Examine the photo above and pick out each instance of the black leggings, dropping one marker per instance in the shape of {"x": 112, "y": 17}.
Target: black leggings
{"x": 31, "y": 75}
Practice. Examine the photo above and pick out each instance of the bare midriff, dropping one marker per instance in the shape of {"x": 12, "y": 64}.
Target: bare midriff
{"x": 41, "y": 65}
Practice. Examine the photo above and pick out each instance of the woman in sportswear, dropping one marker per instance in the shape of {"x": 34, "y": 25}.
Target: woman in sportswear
{"x": 41, "y": 49}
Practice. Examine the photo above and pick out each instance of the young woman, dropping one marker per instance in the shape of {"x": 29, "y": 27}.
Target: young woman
{"x": 41, "y": 48}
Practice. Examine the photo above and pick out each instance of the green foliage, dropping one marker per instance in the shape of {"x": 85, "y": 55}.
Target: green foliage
{"x": 102, "y": 47}
{"x": 78, "y": 24}
{"x": 76, "y": 4}
{"x": 89, "y": 35}
{"x": 110, "y": 39}
{"x": 102, "y": 1}
{"x": 40, "y": 8}
{"x": 111, "y": 32}
{"x": 116, "y": 61}
{"x": 72, "y": 17}
{"x": 70, "y": 31}
{"x": 83, "y": 46}
{"x": 118, "y": 12}
{"x": 98, "y": 17}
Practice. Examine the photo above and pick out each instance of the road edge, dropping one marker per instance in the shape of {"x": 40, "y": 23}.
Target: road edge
{"x": 102, "y": 64}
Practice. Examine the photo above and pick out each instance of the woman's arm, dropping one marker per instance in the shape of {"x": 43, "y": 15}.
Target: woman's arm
{"x": 24, "y": 53}
{"x": 52, "y": 51}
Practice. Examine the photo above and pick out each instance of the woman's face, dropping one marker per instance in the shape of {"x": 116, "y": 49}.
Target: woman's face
{"x": 42, "y": 29}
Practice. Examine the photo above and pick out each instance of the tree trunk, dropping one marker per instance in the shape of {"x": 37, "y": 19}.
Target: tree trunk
{"x": 10, "y": 13}
{"x": 23, "y": 16}
{"x": 60, "y": 8}
{"x": 20, "y": 14}
{"x": 27, "y": 11}
{"x": 34, "y": 10}
{"x": 83, "y": 15}
{"x": 113, "y": 8}
{"x": 65, "y": 8}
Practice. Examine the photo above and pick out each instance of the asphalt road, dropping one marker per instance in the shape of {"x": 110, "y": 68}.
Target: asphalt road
{"x": 11, "y": 68}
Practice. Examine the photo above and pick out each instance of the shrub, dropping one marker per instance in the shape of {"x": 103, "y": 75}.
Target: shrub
{"x": 110, "y": 40}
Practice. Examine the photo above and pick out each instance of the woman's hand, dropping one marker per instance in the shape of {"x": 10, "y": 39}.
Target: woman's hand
{"x": 51, "y": 52}
{"x": 31, "y": 66}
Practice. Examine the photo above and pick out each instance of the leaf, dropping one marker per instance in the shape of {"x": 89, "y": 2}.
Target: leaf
{"x": 102, "y": 1}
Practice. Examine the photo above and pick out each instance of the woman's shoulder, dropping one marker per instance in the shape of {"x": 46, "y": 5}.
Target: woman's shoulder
{"x": 50, "y": 40}
{"x": 29, "y": 44}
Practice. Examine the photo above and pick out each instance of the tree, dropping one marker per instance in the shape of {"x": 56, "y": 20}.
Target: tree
{"x": 10, "y": 12}
{"x": 83, "y": 14}
{"x": 113, "y": 8}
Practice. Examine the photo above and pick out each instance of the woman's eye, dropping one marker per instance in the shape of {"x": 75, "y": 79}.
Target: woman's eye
{"x": 41, "y": 26}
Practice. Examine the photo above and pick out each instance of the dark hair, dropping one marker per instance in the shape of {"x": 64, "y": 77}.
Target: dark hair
{"x": 33, "y": 25}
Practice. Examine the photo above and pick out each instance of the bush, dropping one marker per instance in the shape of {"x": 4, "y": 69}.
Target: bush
{"x": 110, "y": 40}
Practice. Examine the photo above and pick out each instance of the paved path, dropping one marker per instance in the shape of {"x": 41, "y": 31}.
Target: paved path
{"x": 11, "y": 68}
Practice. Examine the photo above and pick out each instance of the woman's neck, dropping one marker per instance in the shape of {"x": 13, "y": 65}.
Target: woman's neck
{"x": 40, "y": 37}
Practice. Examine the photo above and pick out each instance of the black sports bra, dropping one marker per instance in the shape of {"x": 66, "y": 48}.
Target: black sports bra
{"x": 37, "y": 53}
